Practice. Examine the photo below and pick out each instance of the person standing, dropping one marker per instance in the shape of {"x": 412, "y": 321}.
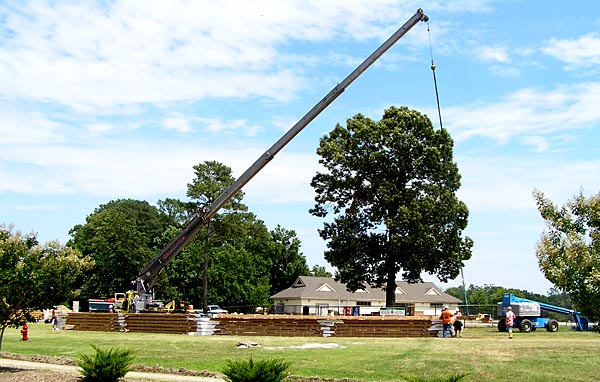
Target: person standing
{"x": 510, "y": 320}
{"x": 54, "y": 319}
{"x": 446, "y": 318}
{"x": 458, "y": 324}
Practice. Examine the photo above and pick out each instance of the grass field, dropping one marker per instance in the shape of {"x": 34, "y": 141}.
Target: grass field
{"x": 483, "y": 354}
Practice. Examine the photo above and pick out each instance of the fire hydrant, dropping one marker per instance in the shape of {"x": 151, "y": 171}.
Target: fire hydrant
{"x": 25, "y": 332}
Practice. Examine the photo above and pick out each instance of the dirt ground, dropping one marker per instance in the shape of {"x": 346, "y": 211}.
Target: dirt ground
{"x": 153, "y": 373}
{"x": 19, "y": 374}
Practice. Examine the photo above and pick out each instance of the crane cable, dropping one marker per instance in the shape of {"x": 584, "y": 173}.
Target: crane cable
{"x": 437, "y": 97}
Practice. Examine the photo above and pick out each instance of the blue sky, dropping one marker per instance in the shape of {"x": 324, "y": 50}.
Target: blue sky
{"x": 103, "y": 100}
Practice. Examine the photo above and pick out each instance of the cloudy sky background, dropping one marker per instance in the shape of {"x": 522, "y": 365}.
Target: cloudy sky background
{"x": 103, "y": 100}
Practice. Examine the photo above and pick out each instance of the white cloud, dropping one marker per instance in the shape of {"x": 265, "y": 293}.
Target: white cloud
{"x": 100, "y": 128}
{"x": 527, "y": 111}
{"x": 505, "y": 71}
{"x": 539, "y": 143}
{"x": 500, "y": 183}
{"x": 215, "y": 125}
{"x": 118, "y": 169}
{"x": 30, "y": 127}
{"x": 87, "y": 55}
{"x": 496, "y": 54}
{"x": 176, "y": 122}
{"x": 582, "y": 52}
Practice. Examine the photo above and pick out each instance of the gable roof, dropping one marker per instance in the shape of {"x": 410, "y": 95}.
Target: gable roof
{"x": 326, "y": 288}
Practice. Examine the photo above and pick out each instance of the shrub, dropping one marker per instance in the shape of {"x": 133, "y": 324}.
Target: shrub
{"x": 106, "y": 365}
{"x": 273, "y": 370}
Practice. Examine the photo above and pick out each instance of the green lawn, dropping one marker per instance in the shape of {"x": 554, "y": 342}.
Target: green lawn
{"x": 483, "y": 354}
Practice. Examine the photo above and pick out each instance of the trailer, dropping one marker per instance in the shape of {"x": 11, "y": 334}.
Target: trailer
{"x": 529, "y": 315}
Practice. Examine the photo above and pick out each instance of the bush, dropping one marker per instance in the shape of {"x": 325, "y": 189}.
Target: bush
{"x": 273, "y": 370}
{"x": 106, "y": 365}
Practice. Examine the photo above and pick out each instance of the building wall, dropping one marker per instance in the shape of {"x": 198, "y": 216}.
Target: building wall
{"x": 337, "y": 307}
{"x": 324, "y": 307}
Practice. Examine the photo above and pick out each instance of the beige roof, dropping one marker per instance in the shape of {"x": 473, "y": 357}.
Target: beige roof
{"x": 326, "y": 288}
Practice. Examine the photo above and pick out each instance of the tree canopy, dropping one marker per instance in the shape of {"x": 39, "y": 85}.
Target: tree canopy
{"x": 491, "y": 295}
{"x": 34, "y": 277}
{"x": 390, "y": 188}
{"x": 568, "y": 251}
{"x": 123, "y": 235}
{"x": 120, "y": 237}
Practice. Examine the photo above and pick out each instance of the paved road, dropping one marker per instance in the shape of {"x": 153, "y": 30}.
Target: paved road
{"x": 26, "y": 365}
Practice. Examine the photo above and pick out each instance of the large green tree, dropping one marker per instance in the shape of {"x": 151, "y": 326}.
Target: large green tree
{"x": 390, "y": 187}
{"x": 569, "y": 249}
{"x": 120, "y": 237}
{"x": 34, "y": 276}
{"x": 211, "y": 180}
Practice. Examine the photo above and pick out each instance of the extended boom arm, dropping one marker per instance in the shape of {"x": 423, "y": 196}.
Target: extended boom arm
{"x": 149, "y": 274}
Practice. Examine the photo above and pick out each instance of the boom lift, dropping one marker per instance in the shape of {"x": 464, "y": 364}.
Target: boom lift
{"x": 528, "y": 315}
{"x": 149, "y": 274}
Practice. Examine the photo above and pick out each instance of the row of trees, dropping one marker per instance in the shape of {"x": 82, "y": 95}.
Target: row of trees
{"x": 248, "y": 262}
{"x": 389, "y": 194}
{"x": 389, "y": 188}
{"x": 236, "y": 261}
{"x": 490, "y": 295}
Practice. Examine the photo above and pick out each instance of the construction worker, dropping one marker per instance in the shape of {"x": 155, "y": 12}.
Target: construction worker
{"x": 510, "y": 320}
{"x": 446, "y": 318}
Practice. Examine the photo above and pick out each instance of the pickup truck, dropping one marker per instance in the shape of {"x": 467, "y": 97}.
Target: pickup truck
{"x": 214, "y": 310}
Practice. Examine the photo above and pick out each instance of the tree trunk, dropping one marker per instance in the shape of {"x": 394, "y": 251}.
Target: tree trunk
{"x": 2, "y": 336}
{"x": 390, "y": 289}
{"x": 205, "y": 272}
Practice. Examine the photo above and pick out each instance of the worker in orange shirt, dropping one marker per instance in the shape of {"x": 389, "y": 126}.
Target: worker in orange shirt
{"x": 446, "y": 318}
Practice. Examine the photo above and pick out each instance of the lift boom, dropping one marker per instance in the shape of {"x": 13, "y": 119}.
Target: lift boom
{"x": 151, "y": 271}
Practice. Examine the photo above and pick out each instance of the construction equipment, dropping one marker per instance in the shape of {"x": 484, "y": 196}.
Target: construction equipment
{"x": 176, "y": 306}
{"x": 528, "y": 315}
{"x": 149, "y": 274}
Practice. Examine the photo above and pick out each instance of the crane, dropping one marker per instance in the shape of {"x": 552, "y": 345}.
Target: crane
{"x": 149, "y": 274}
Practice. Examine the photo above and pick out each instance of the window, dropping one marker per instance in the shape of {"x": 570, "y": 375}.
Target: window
{"x": 363, "y": 303}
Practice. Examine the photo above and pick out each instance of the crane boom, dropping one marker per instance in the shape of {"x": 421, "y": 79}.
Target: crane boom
{"x": 149, "y": 274}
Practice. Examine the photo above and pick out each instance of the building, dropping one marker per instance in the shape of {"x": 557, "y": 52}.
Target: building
{"x": 323, "y": 295}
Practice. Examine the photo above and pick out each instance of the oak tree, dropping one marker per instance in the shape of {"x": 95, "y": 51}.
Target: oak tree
{"x": 390, "y": 192}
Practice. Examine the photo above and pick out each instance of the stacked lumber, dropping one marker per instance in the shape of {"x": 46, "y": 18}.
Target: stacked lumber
{"x": 255, "y": 325}
{"x": 312, "y": 326}
{"x": 173, "y": 323}
{"x": 261, "y": 326}
{"x": 97, "y": 322}
{"x": 384, "y": 328}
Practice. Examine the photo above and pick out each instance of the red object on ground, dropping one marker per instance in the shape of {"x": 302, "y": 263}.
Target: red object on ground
{"x": 25, "y": 332}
